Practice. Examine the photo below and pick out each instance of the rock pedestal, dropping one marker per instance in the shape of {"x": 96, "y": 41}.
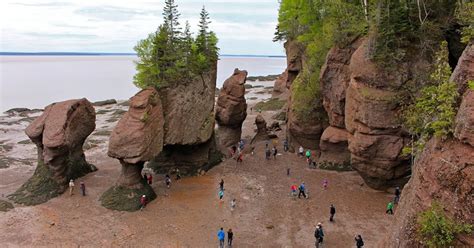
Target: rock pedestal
{"x": 137, "y": 138}
{"x": 231, "y": 110}
{"x": 58, "y": 134}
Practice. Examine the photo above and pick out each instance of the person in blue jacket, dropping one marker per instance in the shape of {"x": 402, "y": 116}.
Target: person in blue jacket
{"x": 221, "y": 237}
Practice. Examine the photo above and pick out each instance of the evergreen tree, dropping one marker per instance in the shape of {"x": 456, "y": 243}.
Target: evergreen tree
{"x": 170, "y": 19}
{"x": 203, "y": 33}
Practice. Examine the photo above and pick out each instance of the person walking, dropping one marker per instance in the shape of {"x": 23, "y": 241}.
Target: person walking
{"x": 325, "y": 184}
{"x": 308, "y": 154}
{"x": 232, "y": 204}
{"x": 221, "y": 184}
{"x": 319, "y": 235}
{"x": 389, "y": 208}
{"x": 71, "y": 187}
{"x": 301, "y": 151}
{"x": 221, "y": 194}
{"x": 143, "y": 202}
{"x": 359, "y": 241}
{"x": 178, "y": 174}
{"x": 150, "y": 179}
{"x": 293, "y": 189}
{"x": 83, "y": 188}
{"x": 267, "y": 153}
{"x": 288, "y": 171}
{"x": 275, "y": 152}
{"x": 302, "y": 189}
{"x": 230, "y": 237}
{"x": 397, "y": 195}
{"x": 221, "y": 237}
{"x": 145, "y": 177}
{"x": 332, "y": 212}
{"x": 285, "y": 145}
{"x": 168, "y": 181}
{"x": 240, "y": 157}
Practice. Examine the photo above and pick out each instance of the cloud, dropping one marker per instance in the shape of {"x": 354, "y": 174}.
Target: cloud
{"x": 61, "y": 36}
{"x": 112, "y": 13}
{"x": 48, "y": 4}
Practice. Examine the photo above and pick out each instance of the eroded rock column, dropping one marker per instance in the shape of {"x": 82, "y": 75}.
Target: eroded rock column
{"x": 137, "y": 138}
{"x": 231, "y": 110}
{"x": 59, "y": 134}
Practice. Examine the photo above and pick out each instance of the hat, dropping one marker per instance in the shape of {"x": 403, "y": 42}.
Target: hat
{"x": 143, "y": 195}
{"x": 319, "y": 224}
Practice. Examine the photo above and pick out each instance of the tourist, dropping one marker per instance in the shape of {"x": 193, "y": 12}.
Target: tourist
{"x": 233, "y": 151}
{"x": 178, "y": 174}
{"x": 150, "y": 179}
{"x": 83, "y": 189}
{"x": 232, "y": 204}
{"x": 288, "y": 171}
{"x": 389, "y": 208}
{"x": 332, "y": 212}
{"x": 230, "y": 237}
{"x": 145, "y": 177}
{"x": 314, "y": 164}
{"x": 397, "y": 195}
{"x": 319, "y": 235}
{"x": 309, "y": 161}
{"x": 241, "y": 145}
{"x": 168, "y": 181}
{"x": 293, "y": 189}
{"x": 252, "y": 150}
{"x": 143, "y": 202}
{"x": 308, "y": 154}
{"x": 221, "y": 237}
{"x": 71, "y": 187}
{"x": 302, "y": 190}
{"x": 221, "y": 184}
{"x": 301, "y": 151}
{"x": 275, "y": 152}
{"x": 221, "y": 194}
{"x": 267, "y": 153}
{"x": 285, "y": 145}
{"x": 325, "y": 184}
{"x": 359, "y": 241}
{"x": 240, "y": 157}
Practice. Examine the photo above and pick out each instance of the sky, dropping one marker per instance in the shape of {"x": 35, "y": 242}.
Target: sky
{"x": 242, "y": 26}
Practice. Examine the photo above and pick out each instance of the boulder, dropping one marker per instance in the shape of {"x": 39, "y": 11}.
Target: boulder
{"x": 464, "y": 70}
{"x": 262, "y": 132}
{"x": 334, "y": 147}
{"x": 279, "y": 88}
{"x": 137, "y": 138}
{"x": 464, "y": 130}
{"x": 231, "y": 110}
{"x": 59, "y": 134}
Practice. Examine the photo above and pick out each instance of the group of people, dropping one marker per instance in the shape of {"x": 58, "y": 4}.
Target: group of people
{"x": 148, "y": 178}
{"x": 82, "y": 187}
{"x": 237, "y": 153}
{"x": 221, "y": 237}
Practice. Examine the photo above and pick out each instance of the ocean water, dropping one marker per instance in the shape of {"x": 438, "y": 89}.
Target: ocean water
{"x": 36, "y": 81}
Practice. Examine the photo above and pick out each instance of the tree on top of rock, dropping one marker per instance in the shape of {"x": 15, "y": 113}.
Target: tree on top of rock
{"x": 169, "y": 56}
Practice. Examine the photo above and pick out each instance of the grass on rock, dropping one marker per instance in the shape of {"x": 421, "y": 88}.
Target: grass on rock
{"x": 270, "y": 105}
{"x": 126, "y": 199}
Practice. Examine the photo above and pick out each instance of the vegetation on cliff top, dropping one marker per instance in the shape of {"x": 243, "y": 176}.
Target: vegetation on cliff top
{"x": 170, "y": 55}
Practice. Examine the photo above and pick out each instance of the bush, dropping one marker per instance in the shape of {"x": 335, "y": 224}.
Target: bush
{"x": 436, "y": 230}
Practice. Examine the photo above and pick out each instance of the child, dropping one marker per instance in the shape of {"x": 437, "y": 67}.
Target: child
{"x": 143, "y": 202}
{"x": 293, "y": 190}
{"x": 325, "y": 184}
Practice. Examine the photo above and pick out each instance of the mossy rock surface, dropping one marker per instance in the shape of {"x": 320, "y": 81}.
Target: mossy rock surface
{"x": 125, "y": 199}
{"x": 272, "y": 104}
{"x": 38, "y": 189}
{"x": 5, "y": 206}
{"x": 335, "y": 166}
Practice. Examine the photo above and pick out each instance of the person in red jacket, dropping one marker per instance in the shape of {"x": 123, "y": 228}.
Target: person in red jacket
{"x": 143, "y": 202}
{"x": 150, "y": 179}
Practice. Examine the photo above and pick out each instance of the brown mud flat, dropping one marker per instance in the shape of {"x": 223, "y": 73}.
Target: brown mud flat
{"x": 189, "y": 214}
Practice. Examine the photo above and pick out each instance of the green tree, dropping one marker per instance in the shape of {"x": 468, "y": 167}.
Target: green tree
{"x": 206, "y": 50}
{"x": 437, "y": 230}
{"x": 170, "y": 19}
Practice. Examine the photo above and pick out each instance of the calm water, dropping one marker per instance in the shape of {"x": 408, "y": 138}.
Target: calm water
{"x": 36, "y": 81}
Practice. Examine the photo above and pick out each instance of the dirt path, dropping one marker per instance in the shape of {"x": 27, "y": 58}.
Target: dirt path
{"x": 189, "y": 214}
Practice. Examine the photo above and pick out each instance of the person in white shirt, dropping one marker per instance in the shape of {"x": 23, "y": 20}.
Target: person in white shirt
{"x": 71, "y": 187}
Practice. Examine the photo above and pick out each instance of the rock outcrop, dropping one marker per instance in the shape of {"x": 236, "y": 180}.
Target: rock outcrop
{"x": 137, "y": 138}
{"x": 280, "y": 88}
{"x": 443, "y": 173}
{"x": 334, "y": 79}
{"x": 262, "y": 131}
{"x": 294, "y": 60}
{"x": 231, "y": 110}
{"x": 58, "y": 134}
{"x": 189, "y": 126}
{"x": 376, "y": 137}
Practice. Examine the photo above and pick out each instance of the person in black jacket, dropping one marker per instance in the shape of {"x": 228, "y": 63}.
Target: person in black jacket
{"x": 359, "y": 241}
{"x": 332, "y": 212}
{"x": 230, "y": 237}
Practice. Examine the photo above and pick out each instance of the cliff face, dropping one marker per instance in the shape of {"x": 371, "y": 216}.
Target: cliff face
{"x": 443, "y": 173}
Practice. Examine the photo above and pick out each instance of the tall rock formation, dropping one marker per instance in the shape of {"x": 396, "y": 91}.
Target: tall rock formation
{"x": 280, "y": 88}
{"x": 231, "y": 110}
{"x": 443, "y": 173}
{"x": 137, "y": 138}
{"x": 189, "y": 142}
{"x": 376, "y": 137}
{"x": 58, "y": 134}
{"x": 334, "y": 79}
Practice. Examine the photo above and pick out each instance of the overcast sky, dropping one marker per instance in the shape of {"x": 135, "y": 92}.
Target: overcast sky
{"x": 242, "y": 26}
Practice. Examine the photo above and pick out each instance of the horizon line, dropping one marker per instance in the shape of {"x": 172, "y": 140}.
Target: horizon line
{"x": 115, "y": 53}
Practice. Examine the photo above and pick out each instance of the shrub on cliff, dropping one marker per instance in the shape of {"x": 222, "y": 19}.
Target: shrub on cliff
{"x": 170, "y": 55}
{"x": 437, "y": 230}
{"x": 434, "y": 110}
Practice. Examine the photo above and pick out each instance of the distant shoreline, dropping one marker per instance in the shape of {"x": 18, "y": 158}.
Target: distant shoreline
{"x": 117, "y": 54}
